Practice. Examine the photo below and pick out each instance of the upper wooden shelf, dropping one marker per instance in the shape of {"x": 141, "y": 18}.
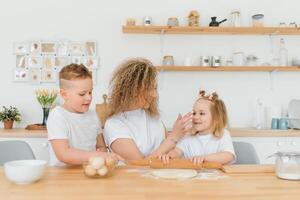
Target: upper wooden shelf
{"x": 226, "y": 68}
{"x": 211, "y": 30}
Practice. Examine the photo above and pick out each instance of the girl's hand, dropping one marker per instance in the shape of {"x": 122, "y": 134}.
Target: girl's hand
{"x": 197, "y": 160}
{"x": 164, "y": 158}
{"x": 182, "y": 125}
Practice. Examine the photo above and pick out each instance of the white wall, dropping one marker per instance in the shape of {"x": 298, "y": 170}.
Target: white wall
{"x": 102, "y": 21}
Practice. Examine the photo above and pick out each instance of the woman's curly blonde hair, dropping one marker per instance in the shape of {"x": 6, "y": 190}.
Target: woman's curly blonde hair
{"x": 133, "y": 78}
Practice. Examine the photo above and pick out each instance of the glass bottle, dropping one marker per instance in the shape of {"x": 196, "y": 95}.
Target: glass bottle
{"x": 283, "y": 53}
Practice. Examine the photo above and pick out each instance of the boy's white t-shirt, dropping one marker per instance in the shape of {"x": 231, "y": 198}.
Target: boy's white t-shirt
{"x": 147, "y": 132}
{"x": 197, "y": 145}
{"x": 80, "y": 129}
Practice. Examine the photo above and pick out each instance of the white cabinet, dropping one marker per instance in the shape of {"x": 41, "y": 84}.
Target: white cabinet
{"x": 39, "y": 146}
{"x": 266, "y": 146}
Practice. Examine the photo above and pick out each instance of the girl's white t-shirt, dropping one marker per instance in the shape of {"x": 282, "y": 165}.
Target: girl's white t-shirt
{"x": 80, "y": 129}
{"x": 197, "y": 145}
{"x": 147, "y": 132}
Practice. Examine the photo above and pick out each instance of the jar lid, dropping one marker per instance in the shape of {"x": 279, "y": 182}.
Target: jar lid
{"x": 257, "y": 16}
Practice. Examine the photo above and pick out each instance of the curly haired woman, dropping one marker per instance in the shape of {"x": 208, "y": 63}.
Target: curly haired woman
{"x": 134, "y": 129}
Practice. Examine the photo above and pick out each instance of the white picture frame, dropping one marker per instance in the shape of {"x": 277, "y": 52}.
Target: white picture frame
{"x": 49, "y": 76}
{"x": 62, "y": 48}
{"x": 76, "y": 60}
{"x": 90, "y": 62}
{"x": 34, "y": 76}
{"x": 21, "y": 61}
{"x": 48, "y": 63}
{"x": 35, "y": 47}
{"x": 90, "y": 48}
{"x": 20, "y": 48}
{"x": 48, "y": 47}
{"x": 34, "y": 61}
{"x": 62, "y": 61}
{"x": 76, "y": 48}
{"x": 94, "y": 76}
{"x": 20, "y": 75}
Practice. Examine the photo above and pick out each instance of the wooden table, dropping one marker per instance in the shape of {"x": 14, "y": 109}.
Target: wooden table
{"x": 70, "y": 183}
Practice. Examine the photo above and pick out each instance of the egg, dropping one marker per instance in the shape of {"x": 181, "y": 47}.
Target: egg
{"x": 96, "y": 162}
{"x": 102, "y": 171}
{"x": 110, "y": 163}
{"x": 89, "y": 171}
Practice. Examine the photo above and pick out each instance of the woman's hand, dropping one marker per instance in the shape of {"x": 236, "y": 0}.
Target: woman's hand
{"x": 182, "y": 125}
{"x": 165, "y": 158}
{"x": 198, "y": 160}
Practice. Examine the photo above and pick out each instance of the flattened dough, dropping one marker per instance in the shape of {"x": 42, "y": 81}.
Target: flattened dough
{"x": 174, "y": 173}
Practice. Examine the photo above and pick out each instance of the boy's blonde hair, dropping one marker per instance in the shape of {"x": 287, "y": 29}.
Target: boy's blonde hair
{"x": 218, "y": 112}
{"x": 73, "y": 72}
{"x": 132, "y": 78}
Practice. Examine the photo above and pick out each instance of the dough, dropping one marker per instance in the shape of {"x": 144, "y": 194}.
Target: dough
{"x": 174, "y": 173}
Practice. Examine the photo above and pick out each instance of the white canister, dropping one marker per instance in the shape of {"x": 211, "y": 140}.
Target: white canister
{"x": 205, "y": 61}
{"x": 188, "y": 62}
{"x": 238, "y": 59}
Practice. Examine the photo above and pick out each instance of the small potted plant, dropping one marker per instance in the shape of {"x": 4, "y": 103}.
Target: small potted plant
{"x": 9, "y": 115}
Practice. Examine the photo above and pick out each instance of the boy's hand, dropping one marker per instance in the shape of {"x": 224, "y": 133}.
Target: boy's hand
{"x": 164, "y": 158}
{"x": 197, "y": 160}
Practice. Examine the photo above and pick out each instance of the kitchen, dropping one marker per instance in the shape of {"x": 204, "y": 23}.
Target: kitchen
{"x": 252, "y": 97}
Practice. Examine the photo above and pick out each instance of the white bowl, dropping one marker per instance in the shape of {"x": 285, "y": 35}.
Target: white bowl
{"x": 24, "y": 171}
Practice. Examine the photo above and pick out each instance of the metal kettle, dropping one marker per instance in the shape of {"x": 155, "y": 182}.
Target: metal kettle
{"x": 215, "y": 23}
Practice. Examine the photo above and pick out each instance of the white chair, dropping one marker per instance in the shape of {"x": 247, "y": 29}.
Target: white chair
{"x": 14, "y": 150}
{"x": 245, "y": 153}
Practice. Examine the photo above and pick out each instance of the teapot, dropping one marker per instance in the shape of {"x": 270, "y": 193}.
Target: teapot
{"x": 287, "y": 165}
{"x": 215, "y": 23}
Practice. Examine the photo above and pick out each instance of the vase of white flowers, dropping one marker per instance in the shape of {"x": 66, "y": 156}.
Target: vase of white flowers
{"x": 46, "y": 98}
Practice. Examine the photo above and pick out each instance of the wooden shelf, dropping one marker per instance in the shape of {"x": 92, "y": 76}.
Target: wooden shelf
{"x": 211, "y": 30}
{"x": 226, "y": 68}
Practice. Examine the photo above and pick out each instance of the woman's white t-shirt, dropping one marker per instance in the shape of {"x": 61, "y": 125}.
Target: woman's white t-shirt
{"x": 147, "y": 132}
{"x": 197, "y": 145}
{"x": 80, "y": 129}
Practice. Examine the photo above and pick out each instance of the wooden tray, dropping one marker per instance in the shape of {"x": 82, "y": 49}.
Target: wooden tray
{"x": 35, "y": 127}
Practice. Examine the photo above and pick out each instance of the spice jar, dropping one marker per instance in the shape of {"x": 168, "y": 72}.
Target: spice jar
{"x": 235, "y": 18}
{"x": 168, "y": 61}
{"x": 173, "y": 21}
{"x": 147, "y": 21}
{"x": 251, "y": 60}
{"x": 258, "y": 20}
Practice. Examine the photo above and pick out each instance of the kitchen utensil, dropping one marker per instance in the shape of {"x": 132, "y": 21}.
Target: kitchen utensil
{"x": 287, "y": 165}
{"x": 102, "y": 110}
{"x": 214, "y": 21}
{"x": 232, "y": 169}
{"x": 24, "y": 171}
{"x": 175, "y": 163}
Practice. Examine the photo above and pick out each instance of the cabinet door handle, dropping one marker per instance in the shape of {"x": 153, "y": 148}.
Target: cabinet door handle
{"x": 280, "y": 143}
{"x": 45, "y": 144}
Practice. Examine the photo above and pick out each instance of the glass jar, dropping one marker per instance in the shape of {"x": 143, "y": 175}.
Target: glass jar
{"x": 288, "y": 165}
{"x": 258, "y": 20}
{"x": 251, "y": 60}
{"x": 235, "y": 18}
{"x": 168, "y": 61}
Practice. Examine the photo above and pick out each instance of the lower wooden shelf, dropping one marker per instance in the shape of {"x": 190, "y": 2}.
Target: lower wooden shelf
{"x": 228, "y": 68}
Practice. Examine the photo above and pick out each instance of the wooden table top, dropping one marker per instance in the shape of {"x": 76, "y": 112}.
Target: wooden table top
{"x": 70, "y": 183}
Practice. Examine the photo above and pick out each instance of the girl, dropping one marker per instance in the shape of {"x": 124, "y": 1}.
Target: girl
{"x": 133, "y": 129}
{"x": 209, "y": 141}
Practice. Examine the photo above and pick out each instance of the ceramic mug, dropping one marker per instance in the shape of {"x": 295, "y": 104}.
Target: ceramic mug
{"x": 275, "y": 123}
{"x": 283, "y": 124}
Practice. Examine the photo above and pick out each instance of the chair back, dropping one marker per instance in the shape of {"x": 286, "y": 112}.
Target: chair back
{"x": 15, "y": 150}
{"x": 245, "y": 153}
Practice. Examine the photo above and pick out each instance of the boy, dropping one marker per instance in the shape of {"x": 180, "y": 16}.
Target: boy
{"x": 73, "y": 130}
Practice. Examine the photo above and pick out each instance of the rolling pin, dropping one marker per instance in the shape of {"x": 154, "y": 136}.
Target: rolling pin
{"x": 174, "y": 164}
